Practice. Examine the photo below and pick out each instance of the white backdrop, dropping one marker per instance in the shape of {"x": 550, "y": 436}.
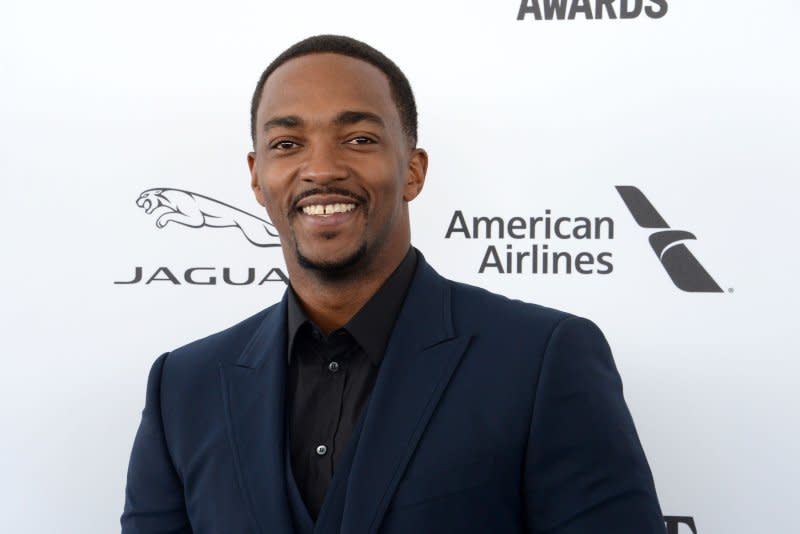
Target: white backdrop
{"x": 698, "y": 109}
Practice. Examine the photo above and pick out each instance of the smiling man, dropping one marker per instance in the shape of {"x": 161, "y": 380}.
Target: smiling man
{"x": 378, "y": 396}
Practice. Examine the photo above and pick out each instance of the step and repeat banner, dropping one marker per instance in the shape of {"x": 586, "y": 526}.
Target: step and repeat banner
{"x": 631, "y": 161}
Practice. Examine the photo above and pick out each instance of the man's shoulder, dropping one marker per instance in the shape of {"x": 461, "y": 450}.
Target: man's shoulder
{"x": 220, "y": 348}
{"x": 481, "y": 309}
{"x": 510, "y": 326}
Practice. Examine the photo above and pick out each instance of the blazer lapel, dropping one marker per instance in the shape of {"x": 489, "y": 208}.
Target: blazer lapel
{"x": 254, "y": 396}
{"x": 422, "y": 354}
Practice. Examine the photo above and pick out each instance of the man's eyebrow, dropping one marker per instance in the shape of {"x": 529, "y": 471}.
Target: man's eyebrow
{"x": 288, "y": 121}
{"x": 347, "y": 118}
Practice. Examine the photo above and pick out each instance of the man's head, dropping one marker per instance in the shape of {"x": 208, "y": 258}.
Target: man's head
{"x": 335, "y": 161}
{"x": 346, "y": 46}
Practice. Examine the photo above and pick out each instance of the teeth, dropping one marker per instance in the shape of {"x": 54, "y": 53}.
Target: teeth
{"x": 327, "y": 209}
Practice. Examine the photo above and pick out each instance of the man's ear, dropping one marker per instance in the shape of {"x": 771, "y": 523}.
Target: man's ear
{"x": 254, "y": 185}
{"x": 415, "y": 176}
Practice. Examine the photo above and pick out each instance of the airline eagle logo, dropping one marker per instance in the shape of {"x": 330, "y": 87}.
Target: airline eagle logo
{"x": 197, "y": 211}
{"x": 669, "y": 245}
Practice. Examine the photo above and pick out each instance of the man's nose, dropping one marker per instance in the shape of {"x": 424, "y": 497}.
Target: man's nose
{"x": 323, "y": 165}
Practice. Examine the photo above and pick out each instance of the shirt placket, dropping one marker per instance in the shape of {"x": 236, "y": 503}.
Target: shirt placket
{"x": 334, "y": 363}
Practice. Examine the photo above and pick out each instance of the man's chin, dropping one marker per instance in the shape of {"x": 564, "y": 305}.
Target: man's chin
{"x": 339, "y": 267}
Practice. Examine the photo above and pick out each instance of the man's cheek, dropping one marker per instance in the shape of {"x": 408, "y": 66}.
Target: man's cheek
{"x": 275, "y": 212}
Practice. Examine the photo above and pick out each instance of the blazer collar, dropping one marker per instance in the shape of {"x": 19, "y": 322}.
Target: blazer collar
{"x": 430, "y": 321}
{"x": 253, "y": 391}
{"x": 267, "y": 337}
{"x": 421, "y": 356}
{"x": 423, "y": 352}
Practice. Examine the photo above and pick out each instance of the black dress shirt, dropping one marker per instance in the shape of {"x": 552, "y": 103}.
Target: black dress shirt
{"x": 330, "y": 380}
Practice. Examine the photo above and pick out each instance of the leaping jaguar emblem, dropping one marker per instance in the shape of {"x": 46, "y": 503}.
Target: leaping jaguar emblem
{"x": 196, "y": 211}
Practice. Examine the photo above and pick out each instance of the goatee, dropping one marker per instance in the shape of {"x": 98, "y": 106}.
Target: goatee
{"x": 332, "y": 270}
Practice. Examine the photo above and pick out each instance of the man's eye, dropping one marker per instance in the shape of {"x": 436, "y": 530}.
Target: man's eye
{"x": 361, "y": 140}
{"x": 284, "y": 145}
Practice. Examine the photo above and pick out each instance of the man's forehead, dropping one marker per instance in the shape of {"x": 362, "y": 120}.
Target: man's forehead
{"x": 317, "y": 81}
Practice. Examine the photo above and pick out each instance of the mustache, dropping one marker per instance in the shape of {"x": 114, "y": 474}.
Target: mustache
{"x": 328, "y": 191}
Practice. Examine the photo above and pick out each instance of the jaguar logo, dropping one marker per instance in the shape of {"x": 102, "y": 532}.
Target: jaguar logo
{"x": 197, "y": 211}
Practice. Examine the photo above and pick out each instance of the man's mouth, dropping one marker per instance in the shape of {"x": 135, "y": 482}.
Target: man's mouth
{"x": 327, "y": 209}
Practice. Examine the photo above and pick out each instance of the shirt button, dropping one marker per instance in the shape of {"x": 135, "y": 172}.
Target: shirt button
{"x": 321, "y": 450}
{"x": 333, "y": 367}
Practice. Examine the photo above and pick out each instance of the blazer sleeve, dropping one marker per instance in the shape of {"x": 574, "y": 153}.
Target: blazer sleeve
{"x": 154, "y": 494}
{"x": 585, "y": 470}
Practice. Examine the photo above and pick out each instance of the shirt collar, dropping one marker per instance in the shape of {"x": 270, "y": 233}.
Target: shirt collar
{"x": 372, "y": 325}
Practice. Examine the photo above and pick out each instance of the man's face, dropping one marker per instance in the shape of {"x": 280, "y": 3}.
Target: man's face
{"x": 332, "y": 165}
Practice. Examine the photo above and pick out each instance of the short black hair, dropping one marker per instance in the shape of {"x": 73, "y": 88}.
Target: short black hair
{"x": 347, "y": 46}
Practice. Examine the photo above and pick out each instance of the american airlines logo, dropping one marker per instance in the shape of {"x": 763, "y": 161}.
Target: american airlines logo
{"x": 673, "y": 524}
{"x": 682, "y": 267}
{"x": 552, "y": 243}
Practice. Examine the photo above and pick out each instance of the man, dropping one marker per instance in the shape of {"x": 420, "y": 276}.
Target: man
{"x": 378, "y": 396}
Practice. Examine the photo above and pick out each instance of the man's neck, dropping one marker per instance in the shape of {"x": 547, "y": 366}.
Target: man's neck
{"x": 331, "y": 302}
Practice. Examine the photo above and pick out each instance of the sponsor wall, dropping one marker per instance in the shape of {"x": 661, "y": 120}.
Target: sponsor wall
{"x": 633, "y": 162}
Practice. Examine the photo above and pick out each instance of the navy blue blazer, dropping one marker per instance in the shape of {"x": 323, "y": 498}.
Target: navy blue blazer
{"x": 489, "y": 415}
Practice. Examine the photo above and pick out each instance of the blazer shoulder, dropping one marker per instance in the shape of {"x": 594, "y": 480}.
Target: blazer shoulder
{"x": 221, "y": 347}
{"x": 481, "y": 308}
